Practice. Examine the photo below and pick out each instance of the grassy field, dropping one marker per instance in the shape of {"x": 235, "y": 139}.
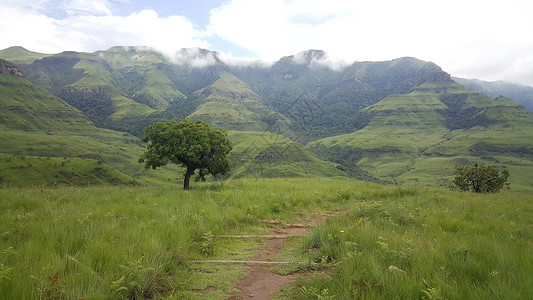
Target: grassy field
{"x": 19, "y": 170}
{"x": 116, "y": 242}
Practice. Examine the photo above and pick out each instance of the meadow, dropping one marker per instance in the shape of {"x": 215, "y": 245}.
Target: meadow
{"x": 389, "y": 242}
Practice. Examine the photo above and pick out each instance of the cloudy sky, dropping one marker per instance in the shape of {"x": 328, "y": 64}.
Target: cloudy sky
{"x": 485, "y": 39}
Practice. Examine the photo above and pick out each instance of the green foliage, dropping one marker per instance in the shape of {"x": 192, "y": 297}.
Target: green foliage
{"x": 193, "y": 145}
{"x": 18, "y": 54}
{"x": 401, "y": 121}
{"x": 55, "y": 242}
{"x": 422, "y": 244}
{"x": 26, "y": 107}
{"x": 481, "y": 179}
{"x": 314, "y": 293}
{"x": 264, "y": 154}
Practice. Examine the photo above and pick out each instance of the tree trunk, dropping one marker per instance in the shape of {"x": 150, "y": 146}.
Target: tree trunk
{"x": 188, "y": 174}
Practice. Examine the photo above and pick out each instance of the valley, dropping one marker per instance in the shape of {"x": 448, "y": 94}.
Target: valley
{"x": 403, "y": 121}
{"x": 338, "y": 190}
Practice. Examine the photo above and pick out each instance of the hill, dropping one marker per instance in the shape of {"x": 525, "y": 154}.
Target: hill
{"x": 229, "y": 103}
{"x": 421, "y": 136}
{"x": 321, "y": 100}
{"x": 20, "y": 55}
{"x": 267, "y": 155}
{"x": 521, "y": 94}
{"x": 42, "y": 133}
{"x": 398, "y": 121}
{"x": 28, "y": 108}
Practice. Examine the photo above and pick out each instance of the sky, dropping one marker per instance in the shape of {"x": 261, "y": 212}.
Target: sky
{"x": 484, "y": 39}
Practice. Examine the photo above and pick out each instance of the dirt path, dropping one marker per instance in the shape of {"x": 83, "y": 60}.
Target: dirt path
{"x": 260, "y": 281}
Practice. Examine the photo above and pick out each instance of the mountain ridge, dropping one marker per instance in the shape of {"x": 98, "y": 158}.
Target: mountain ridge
{"x": 398, "y": 121}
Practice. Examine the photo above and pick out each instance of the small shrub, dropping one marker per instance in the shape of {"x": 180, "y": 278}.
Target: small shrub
{"x": 481, "y": 179}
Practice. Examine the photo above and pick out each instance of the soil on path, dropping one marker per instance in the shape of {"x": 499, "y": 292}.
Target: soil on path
{"x": 260, "y": 281}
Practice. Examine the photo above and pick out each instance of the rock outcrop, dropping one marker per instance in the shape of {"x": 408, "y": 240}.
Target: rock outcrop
{"x": 9, "y": 68}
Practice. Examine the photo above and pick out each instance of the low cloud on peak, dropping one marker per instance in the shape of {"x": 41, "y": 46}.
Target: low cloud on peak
{"x": 481, "y": 39}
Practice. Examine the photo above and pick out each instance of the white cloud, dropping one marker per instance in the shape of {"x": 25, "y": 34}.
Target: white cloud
{"x": 487, "y": 39}
{"x": 319, "y": 59}
{"x": 87, "y": 7}
{"x": 194, "y": 57}
{"x": 243, "y": 62}
{"x": 459, "y": 35}
{"x": 90, "y": 27}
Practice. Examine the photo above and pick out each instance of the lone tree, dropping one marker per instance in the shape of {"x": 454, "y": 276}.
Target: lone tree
{"x": 193, "y": 145}
{"x": 481, "y": 179}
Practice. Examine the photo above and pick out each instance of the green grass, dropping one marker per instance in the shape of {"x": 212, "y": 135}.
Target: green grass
{"x": 409, "y": 139}
{"x": 264, "y": 154}
{"x": 118, "y": 150}
{"x": 230, "y": 104}
{"x": 28, "y": 108}
{"x": 46, "y": 171}
{"x": 136, "y": 242}
{"x": 448, "y": 245}
{"x": 19, "y": 55}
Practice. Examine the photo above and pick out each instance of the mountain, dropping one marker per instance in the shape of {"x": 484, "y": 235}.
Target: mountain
{"x": 419, "y": 137}
{"x": 47, "y": 141}
{"x": 50, "y": 142}
{"x": 522, "y": 94}
{"x": 28, "y": 108}
{"x": 127, "y": 89}
{"x": 265, "y": 154}
{"x": 231, "y": 104}
{"x": 321, "y": 100}
{"x": 20, "y": 55}
{"x": 398, "y": 121}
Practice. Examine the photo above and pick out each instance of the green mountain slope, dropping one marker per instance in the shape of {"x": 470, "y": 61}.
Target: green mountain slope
{"x": 263, "y": 154}
{"x": 20, "y": 55}
{"x": 124, "y": 88}
{"x": 229, "y": 103}
{"x": 321, "y": 100}
{"x": 50, "y": 142}
{"x": 421, "y": 136}
{"x": 27, "y": 108}
{"x": 521, "y": 94}
{"x": 43, "y": 128}
{"x": 403, "y": 121}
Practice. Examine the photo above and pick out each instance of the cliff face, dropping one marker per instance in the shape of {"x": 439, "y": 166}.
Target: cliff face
{"x": 8, "y": 68}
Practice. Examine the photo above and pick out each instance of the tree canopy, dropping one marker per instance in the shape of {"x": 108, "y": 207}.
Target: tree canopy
{"x": 191, "y": 144}
{"x": 481, "y": 179}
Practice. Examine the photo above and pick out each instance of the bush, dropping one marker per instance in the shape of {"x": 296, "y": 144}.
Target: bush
{"x": 481, "y": 179}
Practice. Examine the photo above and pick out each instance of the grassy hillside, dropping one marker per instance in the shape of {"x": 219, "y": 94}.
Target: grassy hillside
{"x": 56, "y": 241}
{"x": 230, "y": 104}
{"x": 265, "y": 155}
{"x": 303, "y": 96}
{"x": 522, "y": 94}
{"x": 20, "y": 55}
{"x": 399, "y": 121}
{"x": 49, "y": 131}
{"x": 321, "y": 100}
{"x": 20, "y": 170}
{"x": 45, "y": 129}
{"x": 420, "y": 137}
{"x": 28, "y": 108}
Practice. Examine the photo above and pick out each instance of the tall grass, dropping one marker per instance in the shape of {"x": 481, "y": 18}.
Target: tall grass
{"x": 137, "y": 242}
{"x": 113, "y": 242}
{"x": 428, "y": 244}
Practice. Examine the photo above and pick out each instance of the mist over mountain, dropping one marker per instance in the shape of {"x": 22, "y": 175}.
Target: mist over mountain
{"x": 398, "y": 121}
{"x": 522, "y": 94}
